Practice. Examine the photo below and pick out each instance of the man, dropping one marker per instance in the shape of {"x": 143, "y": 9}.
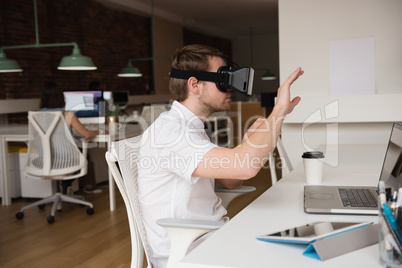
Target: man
{"x": 178, "y": 163}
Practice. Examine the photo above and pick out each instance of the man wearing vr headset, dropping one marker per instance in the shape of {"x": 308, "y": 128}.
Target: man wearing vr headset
{"x": 185, "y": 163}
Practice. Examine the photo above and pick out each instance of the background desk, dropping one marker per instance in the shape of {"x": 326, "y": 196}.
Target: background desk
{"x": 281, "y": 206}
{"x": 9, "y": 133}
{"x": 19, "y": 133}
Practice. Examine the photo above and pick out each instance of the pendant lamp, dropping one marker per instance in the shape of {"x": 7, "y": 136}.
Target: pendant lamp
{"x": 268, "y": 76}
{"x": 129, "y": 71}
{"x": 7, "y": 65}
{"x": 75, "y": 61}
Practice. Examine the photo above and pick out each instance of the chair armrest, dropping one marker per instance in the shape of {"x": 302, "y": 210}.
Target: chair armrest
{"x": 189, "y": 224}
{"x": 242, "y": 189}
{"x": 182, "y": 233}
{"x": 227, "y": 195}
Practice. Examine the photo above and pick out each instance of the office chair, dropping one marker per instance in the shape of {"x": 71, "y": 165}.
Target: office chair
{"x": 286, "y": 165}
{"x": 181, "y": 231}
{"x": 53, "y": 154}
{"x": 226, "y": 131}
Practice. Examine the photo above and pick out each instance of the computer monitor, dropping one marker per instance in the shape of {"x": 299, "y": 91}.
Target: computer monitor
{"x": 107, "y": 95}
{"x": 120, "y": 98}
{"x": 85, "y": 104}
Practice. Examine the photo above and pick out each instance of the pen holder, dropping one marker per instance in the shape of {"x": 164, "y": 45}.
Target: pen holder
{"x": 389, "y": 240}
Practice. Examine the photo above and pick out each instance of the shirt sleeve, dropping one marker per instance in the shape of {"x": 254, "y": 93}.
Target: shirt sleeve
{"x": 193, "y": 150}
{"x": 182, "y": 152}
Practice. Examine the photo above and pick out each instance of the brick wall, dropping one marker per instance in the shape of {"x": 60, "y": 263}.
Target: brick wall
{"x": 108, "y": 36}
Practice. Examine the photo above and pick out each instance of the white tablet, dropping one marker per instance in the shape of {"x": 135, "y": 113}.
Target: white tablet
{"x": 311, "y": 232}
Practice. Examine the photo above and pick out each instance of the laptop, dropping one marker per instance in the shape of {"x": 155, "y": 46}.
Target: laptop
{"x": 357, "y": 200}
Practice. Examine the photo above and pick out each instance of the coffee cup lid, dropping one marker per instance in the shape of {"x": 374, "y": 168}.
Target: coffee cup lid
{"x": 313, "y": 154}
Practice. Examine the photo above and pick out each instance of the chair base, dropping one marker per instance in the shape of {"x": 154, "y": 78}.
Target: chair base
{"x": 57, "y": 200}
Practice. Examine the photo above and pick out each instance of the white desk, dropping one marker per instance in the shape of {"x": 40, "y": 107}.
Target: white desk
{"x": 281, "y": 206}
{"x": 9, "y": 133}
{"x": 15, "y": 133}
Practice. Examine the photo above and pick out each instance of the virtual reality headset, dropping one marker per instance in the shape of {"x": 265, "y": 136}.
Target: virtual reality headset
{"x": 226, "y": 78}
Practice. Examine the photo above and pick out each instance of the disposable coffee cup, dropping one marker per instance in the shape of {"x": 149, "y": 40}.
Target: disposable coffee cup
{"x": 313, "y": 166}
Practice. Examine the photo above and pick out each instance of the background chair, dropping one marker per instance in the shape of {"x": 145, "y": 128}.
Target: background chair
{"x": 181, "y": 231}
{"x": 285, "y": 162}
{"x": 222, "y": 127}
{"x": 53, "y": 154}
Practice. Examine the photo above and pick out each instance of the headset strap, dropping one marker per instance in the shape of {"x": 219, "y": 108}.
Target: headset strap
{"x": 200, "y": 75}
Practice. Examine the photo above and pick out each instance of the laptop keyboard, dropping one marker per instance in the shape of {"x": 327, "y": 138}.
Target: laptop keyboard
{"x": 357, "y": 198}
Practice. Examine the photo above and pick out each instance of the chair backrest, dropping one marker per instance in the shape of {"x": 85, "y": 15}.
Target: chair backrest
{"x": 122, "y": 160}
{"x": 286, "y": 166}
{"x": 52, "y": 151}
{"x": 218, "y": 130}
{"x": 125, "y": 153}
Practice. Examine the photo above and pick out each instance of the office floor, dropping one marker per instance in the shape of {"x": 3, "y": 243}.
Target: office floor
{"x": 79, "y": 240}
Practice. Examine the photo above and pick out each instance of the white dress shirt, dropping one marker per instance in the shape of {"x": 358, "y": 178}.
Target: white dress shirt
{"x": 172, "y": 147}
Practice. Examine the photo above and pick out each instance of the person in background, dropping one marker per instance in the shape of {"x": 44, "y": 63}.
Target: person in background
{"x": 52, "y": 99}
{"x": 181, "y": 182}
{"x": 95, "y": 85}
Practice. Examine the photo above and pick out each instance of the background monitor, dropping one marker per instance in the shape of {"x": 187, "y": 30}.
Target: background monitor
{"x": 107, "y": 95}
{"x": 120, "y": 98}
{"x": 83, "y": 103}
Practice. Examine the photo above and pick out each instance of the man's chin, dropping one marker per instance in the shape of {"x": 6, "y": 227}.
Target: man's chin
{"x": 225, "y": 107}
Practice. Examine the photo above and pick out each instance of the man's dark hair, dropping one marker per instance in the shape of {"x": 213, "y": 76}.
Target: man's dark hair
{"x": 51, "y": 96}
{"x": 191, "y": 57}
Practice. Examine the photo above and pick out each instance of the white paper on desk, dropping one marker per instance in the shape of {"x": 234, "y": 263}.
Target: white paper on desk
{"x": 352, "y": 66}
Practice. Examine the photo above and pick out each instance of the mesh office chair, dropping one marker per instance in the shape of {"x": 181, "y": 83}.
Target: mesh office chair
{"x": 53, "y": 154}
{"x": 219, "y": 119}
{"x": 182, "y": 232}
{"x": 285, "y": 162}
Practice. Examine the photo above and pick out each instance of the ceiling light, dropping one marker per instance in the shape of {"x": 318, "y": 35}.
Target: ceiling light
{"x": 129, "y": 71}
{"x": 8, "y": 65}
{"x": 268, "y": 76}
{"x": 76, "y": 62}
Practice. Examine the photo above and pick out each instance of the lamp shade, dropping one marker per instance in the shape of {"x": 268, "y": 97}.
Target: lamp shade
{"x": 76, "y": 62}
{"x": 8, "y": 65}
{"x": 268, "y": 76}
{"x": 129, "y": 71}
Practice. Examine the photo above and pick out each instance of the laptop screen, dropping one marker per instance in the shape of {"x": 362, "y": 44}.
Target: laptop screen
{"x": 391, "y": 172}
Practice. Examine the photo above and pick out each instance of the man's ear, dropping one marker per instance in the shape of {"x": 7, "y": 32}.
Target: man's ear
{"x": 193, "y": 85}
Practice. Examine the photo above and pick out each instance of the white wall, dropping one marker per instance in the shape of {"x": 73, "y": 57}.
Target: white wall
{"x": 306, "y": 28}
{"x": 305, "y": 31}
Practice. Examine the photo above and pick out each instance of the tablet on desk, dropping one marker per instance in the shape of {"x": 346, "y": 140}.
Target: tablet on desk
{"x": 308, "y": 233}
